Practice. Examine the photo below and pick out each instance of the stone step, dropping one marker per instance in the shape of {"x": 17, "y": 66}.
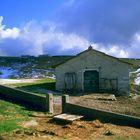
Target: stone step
{"x": 67, "y": 117}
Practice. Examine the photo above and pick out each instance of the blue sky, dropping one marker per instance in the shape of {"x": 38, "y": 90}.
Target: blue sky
{"x": 16, "y": 12}
{"x": 61, "y": 27}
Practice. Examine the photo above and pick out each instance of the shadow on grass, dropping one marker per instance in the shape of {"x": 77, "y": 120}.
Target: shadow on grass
{"x": 25, "y": 105}
{"x": 35, "y": 87}
{"x": 31, "y": 88}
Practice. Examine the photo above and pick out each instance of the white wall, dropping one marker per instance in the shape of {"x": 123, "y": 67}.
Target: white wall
{"x": 108, "y": 68}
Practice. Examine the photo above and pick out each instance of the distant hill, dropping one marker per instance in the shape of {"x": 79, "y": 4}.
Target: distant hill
{"x": 29, "y": 66}
{"x": 40, "y": 62}
{"x": 38, "y": 67}
{"x": 134, "y": 61}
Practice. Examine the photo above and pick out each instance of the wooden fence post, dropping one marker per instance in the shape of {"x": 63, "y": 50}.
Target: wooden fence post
{"x": 49, "y": 102}
{"x": 65, "y": 99}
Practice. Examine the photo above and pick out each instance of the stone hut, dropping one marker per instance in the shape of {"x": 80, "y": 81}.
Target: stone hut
{"x": 92, "y": 71}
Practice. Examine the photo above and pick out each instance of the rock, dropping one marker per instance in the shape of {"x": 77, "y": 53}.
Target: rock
{"x": 136, "y": 97}
{"x": 108, "y": 133}
{"x": 30, "y": 123}
{"x": 112, "y": 97}
{"x": 108, "y": 97}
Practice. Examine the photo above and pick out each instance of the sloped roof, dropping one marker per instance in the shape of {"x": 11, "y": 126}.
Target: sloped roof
{"x": 91, "y": 49}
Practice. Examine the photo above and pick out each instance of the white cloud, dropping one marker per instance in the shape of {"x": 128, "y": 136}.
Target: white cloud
{"x": 8, "y": 33}
{"x": 37, "y": 38}
{"x": 111, "y": 49}
{"x": 51, "y": 40}
{"x": 134, "y": 49}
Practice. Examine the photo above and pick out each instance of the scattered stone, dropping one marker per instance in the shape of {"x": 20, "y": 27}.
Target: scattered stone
{"x": 136, "y": 97}
{"x": 26, "y": 132}
{"x": 108, "y": 133}
{"x": 51, "y": 133}
{"x": 66, "y": 126}
{"x": 98, "y": 124}
{"x": 17, "y": 131}
{"x": 30, "y": 123}
{"x": 79, "y": 125}
{"x": 107, "y": 97}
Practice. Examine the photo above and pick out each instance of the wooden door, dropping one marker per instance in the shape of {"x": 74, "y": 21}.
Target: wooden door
{"x": 91, "y": 81}
{"x": 70, "y": 81}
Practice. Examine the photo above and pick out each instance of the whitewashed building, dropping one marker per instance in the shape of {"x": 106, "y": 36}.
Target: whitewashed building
{"x": 95, "y": 72}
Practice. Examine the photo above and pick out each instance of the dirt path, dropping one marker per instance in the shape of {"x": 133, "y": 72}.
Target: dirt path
{"x": 46, "y": 128}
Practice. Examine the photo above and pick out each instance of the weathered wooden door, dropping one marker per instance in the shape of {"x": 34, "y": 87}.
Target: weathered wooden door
{"x": 70, "y": 81}
{"x": 91, "y": 81}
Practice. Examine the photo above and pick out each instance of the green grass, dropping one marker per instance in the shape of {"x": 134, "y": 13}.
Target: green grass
{"x": 40, "y": 82}
{"x": 8, "y": 125}
{"x": 135, "y": 62}
{"x": 11, "y": 115}
{"x": 46, "y": 84}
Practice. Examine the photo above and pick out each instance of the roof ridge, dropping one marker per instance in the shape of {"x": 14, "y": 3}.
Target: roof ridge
{"x": 90, "y": 48}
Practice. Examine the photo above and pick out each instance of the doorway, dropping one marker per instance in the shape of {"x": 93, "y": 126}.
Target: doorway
{"x": 91, "y": 81}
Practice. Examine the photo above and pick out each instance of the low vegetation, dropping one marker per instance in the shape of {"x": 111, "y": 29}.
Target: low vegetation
{"x": 13, "y": 118}
{"x": 135, "y": 62}
{"x": 134, "y": 89}
{"x": 39, "y": 86}
{"x": 11, "y": 115}
{"x": 40, "y": 62}
{"x": 29, "y": 66}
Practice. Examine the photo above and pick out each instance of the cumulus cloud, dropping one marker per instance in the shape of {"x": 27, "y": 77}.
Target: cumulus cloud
{"x": 8, "y": 33}
{"x": 134, "y": 48}
{"x": 35, "y": 38}
{"x": 112, "y": 49}
{"x": 48, "y": 40}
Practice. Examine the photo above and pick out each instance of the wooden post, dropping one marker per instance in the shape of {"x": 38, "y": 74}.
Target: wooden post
{"x": 49, "y": 102}
{"x": 65, "y": 99}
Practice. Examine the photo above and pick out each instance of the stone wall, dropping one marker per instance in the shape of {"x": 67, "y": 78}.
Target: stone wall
{"x": 105, "y": 116}
{"x": 28, "y": 98}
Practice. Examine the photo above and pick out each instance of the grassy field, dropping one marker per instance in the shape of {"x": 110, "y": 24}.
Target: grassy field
{"x": 135, "y": 62}
{"x": 13, "y": 115}
{"x": 13, "y": 118}
{"x": 10, "y": 115}
{"x": 36, "y": 86}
